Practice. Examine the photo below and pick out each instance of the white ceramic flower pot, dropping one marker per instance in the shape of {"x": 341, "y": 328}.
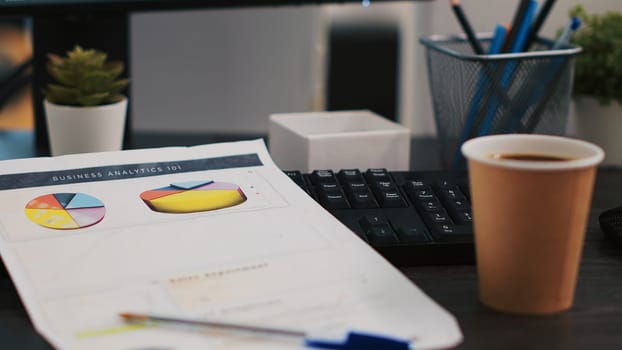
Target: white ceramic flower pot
{"x": 85, "y": 129}
{"x": 601, "y": 125}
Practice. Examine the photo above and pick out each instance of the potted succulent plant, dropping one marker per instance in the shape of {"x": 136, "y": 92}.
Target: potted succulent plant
{"x": 598, "y": 81}
{"x": 84, "y": 108}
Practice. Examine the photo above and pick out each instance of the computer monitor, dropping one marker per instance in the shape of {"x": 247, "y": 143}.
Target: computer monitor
{"x": 58, "y": 25}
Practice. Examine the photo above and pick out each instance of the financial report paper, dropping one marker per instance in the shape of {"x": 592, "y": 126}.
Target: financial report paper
{"x": 212, "y": 232}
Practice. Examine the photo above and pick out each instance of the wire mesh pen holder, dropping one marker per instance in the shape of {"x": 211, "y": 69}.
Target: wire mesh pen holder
{"x": 477, "y": 95}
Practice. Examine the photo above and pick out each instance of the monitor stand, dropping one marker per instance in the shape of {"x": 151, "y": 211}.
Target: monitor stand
{"x": 59, "y": 33}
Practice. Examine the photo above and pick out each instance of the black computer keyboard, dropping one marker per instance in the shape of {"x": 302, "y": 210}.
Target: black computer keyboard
{"x": 410, "y": 217}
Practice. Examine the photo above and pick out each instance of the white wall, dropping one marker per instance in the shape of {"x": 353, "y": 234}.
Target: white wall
{"x": 227, "y": 70}
{"x": 223, "y": 70}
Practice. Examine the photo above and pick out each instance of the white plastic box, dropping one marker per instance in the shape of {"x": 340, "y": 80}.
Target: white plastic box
{"x": 338, "y": 140}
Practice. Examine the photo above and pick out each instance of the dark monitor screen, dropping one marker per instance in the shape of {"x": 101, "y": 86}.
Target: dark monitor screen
{"x": 28, "y": 7}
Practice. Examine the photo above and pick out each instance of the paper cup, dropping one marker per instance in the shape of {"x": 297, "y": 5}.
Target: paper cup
{"x": 529, "y": 218}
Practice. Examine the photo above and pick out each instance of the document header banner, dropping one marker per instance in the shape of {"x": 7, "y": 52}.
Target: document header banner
{"x": 125, "y": 171}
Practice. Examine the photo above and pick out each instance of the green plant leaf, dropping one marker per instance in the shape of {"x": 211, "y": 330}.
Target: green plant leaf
{"x": 115, "y": 98}
{"x": 114, "y": 68}
{"x": 84, "y": 78}
{"x": 118, "y": 86}
{"x": 93, "y": 99}
{"x": 61, "y": 95}
{"x": 598, "y": 69}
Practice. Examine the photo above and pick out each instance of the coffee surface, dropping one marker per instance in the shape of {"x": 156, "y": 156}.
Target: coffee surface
{"x": 531, "y": 157}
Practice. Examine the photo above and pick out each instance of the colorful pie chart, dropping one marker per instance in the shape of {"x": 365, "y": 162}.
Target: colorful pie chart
{"x": 65, "y": 211}
{"x": 193, "y": 196}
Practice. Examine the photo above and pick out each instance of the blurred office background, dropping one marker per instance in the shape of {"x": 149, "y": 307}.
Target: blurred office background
{"x": 226, "y": 70}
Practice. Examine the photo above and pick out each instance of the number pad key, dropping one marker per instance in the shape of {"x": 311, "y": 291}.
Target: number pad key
{"x": 381, "y": 234}
{"x": 412, "y": 234}
{"x": 438, "y": 217}
{"x": 453, "y": 233}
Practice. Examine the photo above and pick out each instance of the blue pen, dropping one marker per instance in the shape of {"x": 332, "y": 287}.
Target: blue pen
{"x": 542, "y": 85}
{"x": 518, "y": 46}
{"x": 564, "y": 38}
{"x": 523, "y": 30}
{"x": 495, "y": 47}
{"x": 353, "y": 340}
{"x": 547, "y": 77}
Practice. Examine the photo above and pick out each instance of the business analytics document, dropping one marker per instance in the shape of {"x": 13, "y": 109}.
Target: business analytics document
{"x": 214, "y": 232}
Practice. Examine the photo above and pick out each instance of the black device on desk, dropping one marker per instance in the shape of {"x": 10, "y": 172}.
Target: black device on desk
{"x": 611, "y": 224}
{"x": 410, "y": 217}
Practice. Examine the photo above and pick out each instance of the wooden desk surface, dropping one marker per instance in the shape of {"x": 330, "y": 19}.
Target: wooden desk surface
{"x": 595, "y": 321}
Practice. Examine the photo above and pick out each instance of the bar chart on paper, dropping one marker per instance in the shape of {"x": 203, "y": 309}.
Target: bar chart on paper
{"x": 65, "y": 211}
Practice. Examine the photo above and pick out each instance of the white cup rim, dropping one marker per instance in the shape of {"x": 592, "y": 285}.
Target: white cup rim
{"x": 582, "y": 154}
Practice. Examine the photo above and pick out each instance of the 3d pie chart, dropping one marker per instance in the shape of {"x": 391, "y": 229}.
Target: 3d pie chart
{"x": 193, "y": 196}
{"x": 65, "y": 211}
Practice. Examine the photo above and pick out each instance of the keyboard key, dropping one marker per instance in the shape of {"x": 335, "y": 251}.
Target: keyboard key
{"x": 350, "y": 175}
{"x": 414, "y": 189}
{"x": 356, "y": 186}
{"x": 429, "y": 205}
{"x": 362, "y": 199}
{"x": 444, "y": 184}
{"x": 322, "y": 176}
{"x": 333, "y": 200}
{"x": 437, "y": 217}
{"x": 417, "y": 185}
{"x": 375, "y": 175}
{"x": 457, "y": 204}
{"x": 451, "y": 193}
{"x": 453, "y": 233}
{"x": 391, "y": 199}
{"x": 463, "y": 217}
{"x": 371, "y": 220}
{"x": 329, "y": 187}
{"x": 384, "y": 186}
{"x": 381, "y": 234}
{"x": 412, "y": 235}
{"x": 423, "y": 195}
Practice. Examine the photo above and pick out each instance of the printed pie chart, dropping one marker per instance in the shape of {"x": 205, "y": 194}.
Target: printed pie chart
{"x": 193, "y": 196}
{"x": 65, "y": 211}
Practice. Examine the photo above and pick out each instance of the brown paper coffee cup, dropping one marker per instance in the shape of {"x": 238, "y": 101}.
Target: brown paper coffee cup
{"x": 529, "y": 218}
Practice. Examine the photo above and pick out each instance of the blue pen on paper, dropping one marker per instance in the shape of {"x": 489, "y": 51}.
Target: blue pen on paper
{"x": 495, "y": 47}
{"x": 517, "y": 46}
{"x": 353, "y": 340}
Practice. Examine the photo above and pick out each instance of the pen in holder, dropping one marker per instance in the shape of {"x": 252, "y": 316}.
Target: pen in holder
{"x": 477, "y": 95}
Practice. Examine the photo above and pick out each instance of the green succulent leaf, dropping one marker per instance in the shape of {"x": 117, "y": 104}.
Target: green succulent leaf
{"x": 114, "y": 68}
{"x": 93, "y": 99}
{"x": 117, "y": 86}
{"x": 115, "y": 98}
{"x": 84, "y": 78}
{"x": 598, "y": 72}
{"x": 61, "y": 94}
